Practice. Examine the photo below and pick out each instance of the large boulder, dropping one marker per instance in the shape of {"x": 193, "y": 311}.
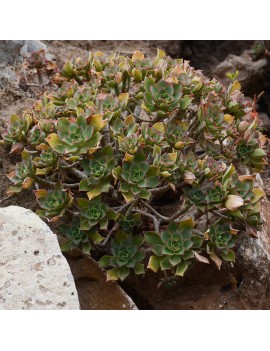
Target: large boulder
{"x": 34, "y": 273}
{"x": 254, "y": 253}
{"x": 10, "y": 51}
{"x": 251, "y": 73}
{"x": 13, "y": 51}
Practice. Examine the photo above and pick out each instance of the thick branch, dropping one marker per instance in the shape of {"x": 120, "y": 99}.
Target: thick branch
{"x": 78, "y": 174}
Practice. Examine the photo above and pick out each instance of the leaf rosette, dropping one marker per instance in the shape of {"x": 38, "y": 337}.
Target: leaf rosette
{"x": 77, "y": 237}
{"x": 95, "y": 213}
{"x": 125, "y": 255}
{"x": 18, "y": 128}
{"x": 136, "y": 177}
{"x": 161, "y": 96}
{"x": 173, "y": 247}
{"x": 99, "y": 172}
{"x": 23, "y": 177}
{"x": 222, "y": 239}
{"x": 74, "y": 137}
{"x": 53, "y": 203}
{"x": 46, "y": 162}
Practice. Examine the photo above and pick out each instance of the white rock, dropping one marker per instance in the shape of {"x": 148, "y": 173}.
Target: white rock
{"x": 34, "y": 275}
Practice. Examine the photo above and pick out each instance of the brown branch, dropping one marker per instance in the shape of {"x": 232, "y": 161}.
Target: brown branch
{"x": 180, "y": 212}
{"x": 115, "y": 227}
{"x": 52, "y": 184}
{"x": 160, "y": 216}
{"x": 80, "y": 175}
{"x": 156, "y": 223}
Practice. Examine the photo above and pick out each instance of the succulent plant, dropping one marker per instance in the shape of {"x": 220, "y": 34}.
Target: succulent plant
{"x": 36, "y": 136}
{"x": 98, "y": 169}
{"x": 77, "y": 237}
{"x": 163, "y": 96}
{"x": 74, "y": 136}
{"x": 215, "y": 194}
{"x": 136, "y": 176}
{"x": 95, "y": 212}
{"x": 18, "y": 128}
{"x": 125, "y": 136}
{"x": 222, "y": 238}
{"x": 53, "y": 203}
{"x": 125, "y": 256}
{"x": 47, "y": 160}
{"x": 173, "y": 247}
{"x": 23, "y": 177}
{"x": 129, "y": 222}
{"x": 250, "y": 154}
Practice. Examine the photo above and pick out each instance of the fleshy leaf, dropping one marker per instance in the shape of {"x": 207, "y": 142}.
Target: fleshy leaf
{"x": 181, "y": 268}
{"x": 233, "y": 202}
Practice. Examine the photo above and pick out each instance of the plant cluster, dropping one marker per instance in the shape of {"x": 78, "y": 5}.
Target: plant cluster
{"x": 116, "y": 135}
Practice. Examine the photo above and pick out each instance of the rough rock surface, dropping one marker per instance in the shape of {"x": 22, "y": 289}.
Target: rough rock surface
{"x": 251, "y": 73}
{"x": 255, "y": 253}
{"x": 10, "y": 50}
{"x": 34, "y": 45}
{"x": 8, "y": 76}
{"x": 34, "y": 275}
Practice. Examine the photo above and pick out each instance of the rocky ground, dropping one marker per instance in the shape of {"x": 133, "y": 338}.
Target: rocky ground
{"x": 242, "y": 286}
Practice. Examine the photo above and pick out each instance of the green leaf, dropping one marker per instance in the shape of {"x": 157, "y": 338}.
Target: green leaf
{"x": 197, "y": 241}
{"x": 111, "y": 214}
{"x": 66, "y": 245}
{"x": 175, "y": 259}
{"x": 227, "y": 175}
{"x": 123, "y": 273}
{"x": 153, "y": 171}
{"x": 128, "y": 196}
{"x": 139, "y": 268}
{"x": 258, "y": 194}
{"x": 230, "y": 256}
{"x": 85, "y": 225}
{"x": 188, "y": 255}
{"x": 160, "y": 54}
{"x": 210, "y": 248}
{"x": 154, "y": 263}
{"x": 181, "y": 268}
{"x": 104, "y": 223}
{"x": 124, "y": 187}
{"x": 153, "y": 238}
{"x": 152, "y": 182}
{"x": 144, "y": 194}
{"x": 96, "y": 237}
{"x": 185, "y": 102}
{"x": 137, "y": 240}
{"x": 186, "y": 224}
{"x": 112, "y": 274}
{"x": 94, "y": 193}
{"x": 165, "y": 263}
{"x": 53, "y": 140}
{"x": 86, "y": 248}
{"x": 104, "y": 261}
{"x": 83, "y": 203}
